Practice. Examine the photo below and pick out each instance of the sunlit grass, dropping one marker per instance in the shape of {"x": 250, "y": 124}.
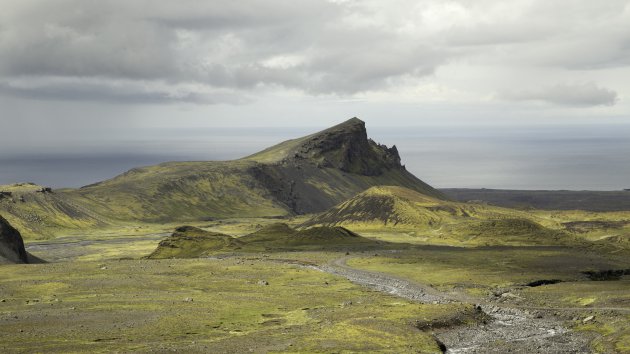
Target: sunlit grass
{"x": 201, "y": 305}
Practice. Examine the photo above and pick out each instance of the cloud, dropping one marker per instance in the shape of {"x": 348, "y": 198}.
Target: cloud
{"x": 218, "y": 45}
{"x": 116, "y": 91}
{"x": 216, "y": 51}
{"x": 580, "y": 94}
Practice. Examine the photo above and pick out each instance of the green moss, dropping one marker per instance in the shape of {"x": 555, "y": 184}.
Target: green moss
{"x": 201, "y": 305}
{"x": 192, "y": 242}
{"x": 623, "y": 344}
{"x": 392, "y": 210}
{"x": 482, "y": 269}
{"x": 612, "y": 333}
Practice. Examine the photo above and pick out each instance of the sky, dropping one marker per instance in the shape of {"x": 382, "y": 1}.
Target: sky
{"x": 538, "y": 90}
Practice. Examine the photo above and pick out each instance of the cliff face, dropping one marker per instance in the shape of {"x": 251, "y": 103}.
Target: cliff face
{"x": 322, "y": 169}
{"x": 11, "y": 244}
{"x": 346, "y": 147}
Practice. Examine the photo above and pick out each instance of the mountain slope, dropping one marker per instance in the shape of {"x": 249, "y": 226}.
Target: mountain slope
{"x": 345, "y": 147}
{"x": 38, "y": 211}
{"x": 313, "y": 173}
{"x": 299, "y": 176}
{"x": 393, "y": 206}
{"x": 400, "y": 209}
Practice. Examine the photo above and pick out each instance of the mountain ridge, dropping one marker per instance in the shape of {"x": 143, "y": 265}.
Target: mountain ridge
{"x": 345, "y": 146}
{"x": 298, "y": 176}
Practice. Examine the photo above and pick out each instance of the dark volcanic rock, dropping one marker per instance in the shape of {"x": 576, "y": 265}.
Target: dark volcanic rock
{"x": 347, "y": 147}
{"x": 543, "y": 282}
{"x": 324, "y": 168}
{"x": 11, "y": 243}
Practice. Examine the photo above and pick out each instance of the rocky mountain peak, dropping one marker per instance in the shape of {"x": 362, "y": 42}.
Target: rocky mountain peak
{"x": 346, "y": 146}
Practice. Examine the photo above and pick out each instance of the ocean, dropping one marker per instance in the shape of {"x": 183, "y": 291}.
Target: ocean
{"x": 579, "y": 157}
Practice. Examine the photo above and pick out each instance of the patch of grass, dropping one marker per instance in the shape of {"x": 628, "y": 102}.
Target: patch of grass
{"x": 486, "y": 272}
{"x": 201, "y": 305}
{"x": 393, "y": 210}
{"x": 623, "y": 344}
{"x": 26, "y": 187}
{"x": 613, "y": 333}
{"x": 585, "y": 293}
{"x": 490, "y": 267}
{"x": 191, "y": 242}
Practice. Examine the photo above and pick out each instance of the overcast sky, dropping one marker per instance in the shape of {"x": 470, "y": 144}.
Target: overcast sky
{"x": 83, "y": 76}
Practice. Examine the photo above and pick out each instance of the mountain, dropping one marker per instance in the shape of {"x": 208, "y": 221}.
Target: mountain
{"x": 11, "y": 244}
{"x": 299, "y": 176}
{"x": 345, "y": 147}
{"x": 399, "y": 209}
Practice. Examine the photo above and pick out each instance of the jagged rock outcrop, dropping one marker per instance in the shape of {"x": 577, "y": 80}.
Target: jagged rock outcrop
{"x": 312, "y": 173}
{"x": 347, "y": 148}
{"x": 11, "y": 244}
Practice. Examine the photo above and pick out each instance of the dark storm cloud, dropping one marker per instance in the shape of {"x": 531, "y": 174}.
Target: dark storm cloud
{"x": 65, "y": 38}
{"x": 116, "y": 92}
{"x": 244, "y": 15}
{"x": 218, "y": 50}
{"x": 304, "y": 45}
{"x": 583, "y": 94}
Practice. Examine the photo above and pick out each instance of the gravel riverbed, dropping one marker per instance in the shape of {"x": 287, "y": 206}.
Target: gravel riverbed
{"x": 508, "y": 330}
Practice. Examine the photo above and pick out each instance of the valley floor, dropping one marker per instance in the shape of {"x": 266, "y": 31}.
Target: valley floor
{"x": 98, "y": 296}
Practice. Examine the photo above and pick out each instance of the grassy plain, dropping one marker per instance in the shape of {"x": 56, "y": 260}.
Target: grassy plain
{"x": 501, "y": 274}
{"x": 200, "y": 305}
{"x": 100, "y": 296}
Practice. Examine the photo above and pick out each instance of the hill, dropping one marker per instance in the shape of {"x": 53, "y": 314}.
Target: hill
{"x": 299, "y": 176}
{"x": 192, "y": 242}
{"x": 39, "y": 211}
{"x": 281, "y": 236}
{"x": 398, "y": 209}
{"x": 546, "y": 200}
{"x": 11, "y": 244}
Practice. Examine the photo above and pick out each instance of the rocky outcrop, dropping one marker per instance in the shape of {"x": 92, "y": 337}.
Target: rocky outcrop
{"x": 325, "y": 168}
{"x": 11, "y": 244}
{"x": 346, "y": 147}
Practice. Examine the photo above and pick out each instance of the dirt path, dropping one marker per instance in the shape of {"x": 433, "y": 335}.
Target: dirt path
{"x": 510, "y": 330}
